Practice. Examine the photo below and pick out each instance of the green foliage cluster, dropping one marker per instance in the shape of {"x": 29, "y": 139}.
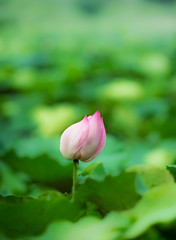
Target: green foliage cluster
{"x": 59, "y": 61}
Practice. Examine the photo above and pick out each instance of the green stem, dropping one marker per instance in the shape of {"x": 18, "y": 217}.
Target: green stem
{"x": 75, "y": 162}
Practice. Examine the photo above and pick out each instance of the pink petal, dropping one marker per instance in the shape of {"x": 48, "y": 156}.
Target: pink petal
{"x": 91, "y": 143}
{"x": 73, "y": 138}
{"x": 101, "y": 143}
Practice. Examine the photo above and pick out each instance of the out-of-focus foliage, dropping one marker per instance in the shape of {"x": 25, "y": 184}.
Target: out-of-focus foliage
{"x": 61, "y": 60}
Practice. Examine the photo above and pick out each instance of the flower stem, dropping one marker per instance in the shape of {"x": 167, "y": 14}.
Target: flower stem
{"x": 75, "y": 162}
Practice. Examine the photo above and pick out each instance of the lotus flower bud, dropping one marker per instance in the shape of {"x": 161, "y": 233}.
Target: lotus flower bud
{"x": 84, "y": 140}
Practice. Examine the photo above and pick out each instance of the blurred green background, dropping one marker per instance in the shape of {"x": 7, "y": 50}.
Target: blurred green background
{"x": 61, "y": 60}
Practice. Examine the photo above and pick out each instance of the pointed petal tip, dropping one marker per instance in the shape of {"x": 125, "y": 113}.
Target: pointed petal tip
{"x": 102, "y": 120}
{"x": 97, "y": 114}
{"x": 85, "y": 118}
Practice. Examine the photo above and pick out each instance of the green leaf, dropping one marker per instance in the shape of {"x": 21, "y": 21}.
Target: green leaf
{"x": 43, "y": 169}
{"x": 113, "y": 193}
{"x": 94, "y": 170}
{"x": 140, "y": 185}
{"x": 36, "y": 146}
{"x": 87, "y": 228}
{"x": 152, "y": 176}
{"x": 10, "y": 182}
{"x": 172, "y": 170}
{"x": 160, "y": 157}
{"x": 157, "y": 206}
{"x": 40, "y": 158}
{"x": 25, "y": 216}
